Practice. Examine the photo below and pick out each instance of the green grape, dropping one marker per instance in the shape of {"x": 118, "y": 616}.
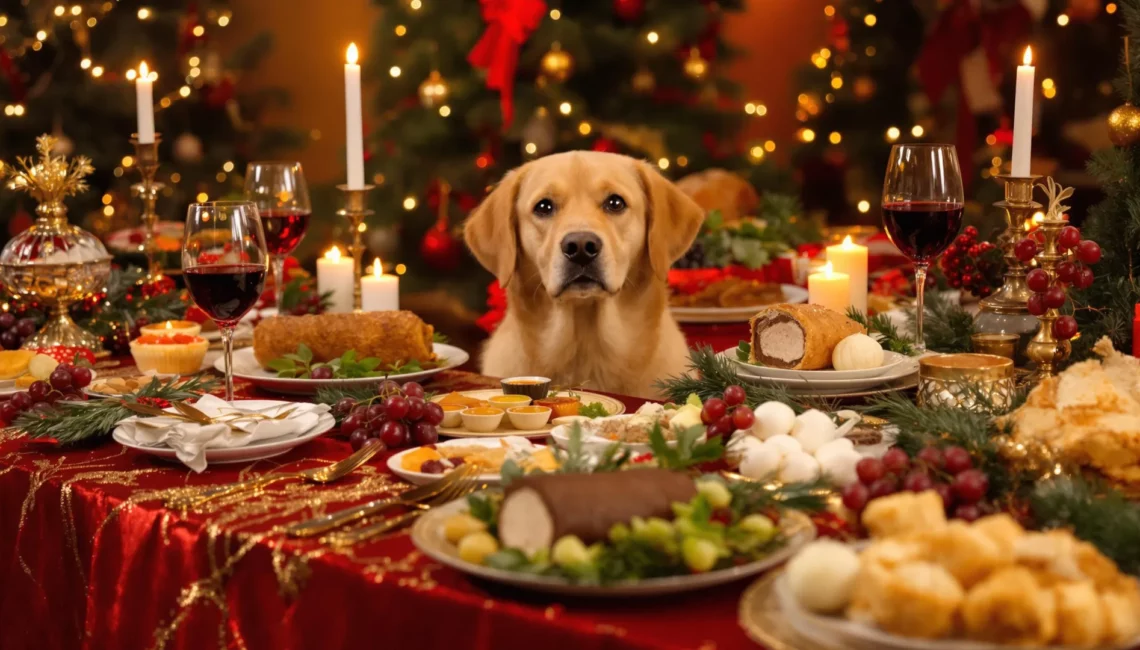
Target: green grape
{"x": 569, "y": 551}
{"x": 619, "y": 532}
{"x": 759, "y": 526}
{"x": 715, "y": 493}
{"x": 699, "y": 554}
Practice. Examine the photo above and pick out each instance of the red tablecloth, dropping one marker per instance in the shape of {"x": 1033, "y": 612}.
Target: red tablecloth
{"x": 90, "y": 558}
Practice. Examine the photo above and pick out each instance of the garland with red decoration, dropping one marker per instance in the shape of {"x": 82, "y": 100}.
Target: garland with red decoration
{"x": 509, "y": 24}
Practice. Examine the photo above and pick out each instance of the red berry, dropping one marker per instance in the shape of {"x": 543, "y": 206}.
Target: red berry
{"x": 396, "y": 408}
{"x": 433, "y": 414}
{"x": 1025, "y": 250}
{"x": 932, "y": 457}
{"x": 963, "y": 241}
{"x": 413, "y": 389}
{"x": 974, "y": 251}
{"x": 1037, "y": 280}
{"x": 742, "y": 417}
{"x": 1088, "y": 251}
{"x": 917, "y": 481}
{"x": 9, "y": 411}
{"x": 970, "y": 485}
{"x": 394, "y": 434}
{"x": 1065, "y": 328}
{"x": 1066, "y": 272}
{"x": 884, "y": 487}
{"x": 1036, "y": 304}
{"x": 714, "y": 409}
{"x": 967, "y": 279}
{"x": 971, "y": 232}
{"x": 734, "y": 395}
{"x": 855, "y": 496}
{"x": 896, "y": 461}
{"x": 951, "y": 251}
{"x": 1054, "y": 297}
{"x": 870, "y": 470}
{"x": 321, "y": 372}
{"x": 1084, "y": 278}
{"x": 1070, "y": 237}
{"x": 946, "y": 493}
{"x": 957, "y": 460}
{"x": 967, "y": 512}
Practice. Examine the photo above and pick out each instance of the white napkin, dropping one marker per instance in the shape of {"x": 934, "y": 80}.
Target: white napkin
{"x": 190, "y": 441}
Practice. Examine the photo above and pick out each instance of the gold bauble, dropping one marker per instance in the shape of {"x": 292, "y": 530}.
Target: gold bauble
{"x": 696, "y": 68}
{"x": 643, "y": 81}
{"x": 557, "y": 64}
{"x": 1124, "y": 125}
{"x": 433, "y": 91}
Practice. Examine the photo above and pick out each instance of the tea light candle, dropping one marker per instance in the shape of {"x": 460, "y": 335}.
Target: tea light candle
{"x": 335, "y": 275}
{"x": 379, "y": 292}
{"x": 354, "y": 129}
{"x": 172, "y": 327}
{"x": 1023, "y": 117}
{"x": 830, "y": 289}
{"x": 144, "y": 99}
{"x": 851, "y": 258}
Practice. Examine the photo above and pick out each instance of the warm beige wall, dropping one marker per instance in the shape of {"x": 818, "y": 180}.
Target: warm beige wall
{"x": 310, "y": 39}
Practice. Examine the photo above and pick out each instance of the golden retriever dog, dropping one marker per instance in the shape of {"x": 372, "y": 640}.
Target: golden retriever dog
{"x": 582, "y": 242}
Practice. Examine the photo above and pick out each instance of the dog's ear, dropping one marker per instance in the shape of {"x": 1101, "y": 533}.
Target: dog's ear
{"x": 674, "y": 219}
{"x": 491, "y": 230}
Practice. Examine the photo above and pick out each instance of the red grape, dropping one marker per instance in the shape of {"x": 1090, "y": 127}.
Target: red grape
{"x": 7, "y": 320}
{"x": 970, "y": 485}
{"x": 1025, "y": 250}
{"x": 932, "y": 457}
{"x": 351, "y": 423}
{"x": 1070, "y": 237}
{"x": 424, "y": 433}
{"x": 1084, "y": 278}
{"x": 9, "y": 340}
{"x": 714, "y": 409}
{"x": 81, "y": 377}
{"x": 433, "y": 414}
{"x": 1037, "y": 280}
{"x": 394, "y": 434}
{"x": 321, "y": 372}
{"x": 39, "y": 390}
{"x": 397, "y": 408}
{"x": 946, "y": 493}
{"x": 22, "y": 400}
{"x": 957, "y": 460}
{"x": 1054, "y": 297}
{"x": 742, "y": 417}
{"x": 388, "y": 387}
{"x": 734, "y": 395}
{"x": 967, "y": 512}
{"x": 9, "y": 411}
{"x": 896, "y": 461}
{"x": 1065, "y": 327}
{"x": 855, "y": 496}
{"x": 375, "y": 412}
{"x": 725, "y": 425}
{"x": 25, "y": 327}
{"x": 415, "y": 409}
{"x": 883, "y": 487}
{"x": 60, "y": 379}
{"x": 357, "y": 439}
{"x": 1088, "y": 251}
{"x": 344, "y": 405}
{"x": 1036, "y": 304}
{"x": 917, "y": 481}
{"x": 870, "y": 470}
{"x": 413, "y": 389}
{"x": 1066, "y": 272}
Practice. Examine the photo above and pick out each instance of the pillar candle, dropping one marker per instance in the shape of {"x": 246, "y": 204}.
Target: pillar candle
{"x": 1023, "y": 117}
{"x": 379, "y": 292}
{"x": 354, "y": 129}
{"x": 830, "y": 289}
{"x": 851, "y": 258}
{"x": 144, "y": 98}
{"x": 335, "y": 275}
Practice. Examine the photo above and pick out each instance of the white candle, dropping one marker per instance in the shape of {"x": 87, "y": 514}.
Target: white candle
{"x": 1023, "y": 117}
{"x": 830, "y": 289}
{"x": 144, "y": 98}
{"x": 379, "y": 292}
{"x": 335, "y": 275}
{"x": 851, "y": 258}
{"x": 354, "y": 140}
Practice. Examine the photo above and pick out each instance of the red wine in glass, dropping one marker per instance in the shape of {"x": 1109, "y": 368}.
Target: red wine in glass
{"x": 226, "y": 291}
{"x": 284, "y": 229}
{"x": 922, "y": 229}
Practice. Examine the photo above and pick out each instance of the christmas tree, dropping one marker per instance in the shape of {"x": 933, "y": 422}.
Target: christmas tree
{"x": 68, "y": 69}
{"x": 470, "y": 90}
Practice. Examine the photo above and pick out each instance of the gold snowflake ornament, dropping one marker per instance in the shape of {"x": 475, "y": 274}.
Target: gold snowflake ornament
{"x": 50, "y": 179}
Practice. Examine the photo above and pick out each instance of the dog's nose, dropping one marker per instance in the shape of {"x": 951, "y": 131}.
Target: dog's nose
{"x": 581, "y": 247}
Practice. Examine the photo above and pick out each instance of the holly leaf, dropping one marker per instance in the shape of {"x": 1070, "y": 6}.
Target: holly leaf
{"x": 305, "y": 353}
{"x": 282, "y": 365}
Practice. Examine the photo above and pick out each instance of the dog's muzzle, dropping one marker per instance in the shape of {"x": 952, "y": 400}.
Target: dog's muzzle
{"x": 580, "y": 251}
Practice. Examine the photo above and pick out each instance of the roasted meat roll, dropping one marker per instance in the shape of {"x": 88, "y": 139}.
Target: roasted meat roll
{"x": 391, "y": 336}
{"x": 798, "y": 337}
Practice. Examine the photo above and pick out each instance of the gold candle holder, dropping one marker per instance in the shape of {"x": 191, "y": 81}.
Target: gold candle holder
{"x": 146, "y": 160}
{"x": 1045, "y": 349}
{"x": 966, "y": 381}
{"x": 355, "y": 210}
{"x": 997, "y": 344}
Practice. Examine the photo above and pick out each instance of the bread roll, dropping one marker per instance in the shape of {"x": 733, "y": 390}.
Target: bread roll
{"x": 798, "y": 337}
{"x": 391, "y": 336}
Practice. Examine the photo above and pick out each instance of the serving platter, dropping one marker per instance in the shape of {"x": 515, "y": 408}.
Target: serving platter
{"x": 422, "y": 478}
{"x": 890, "y": 360}
{"x": 428, "y": 536}
{"x": 612, "y": 406}
{"x": 246, "y": 367}
{"x": 906, "y": 370}
{"x": 792, "y": 295}
{"x": 593, "y": 442}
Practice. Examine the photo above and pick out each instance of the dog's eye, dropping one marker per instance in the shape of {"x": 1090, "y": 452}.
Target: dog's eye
{"x": 544, "y": 208}
{"x": 614, "y": 204}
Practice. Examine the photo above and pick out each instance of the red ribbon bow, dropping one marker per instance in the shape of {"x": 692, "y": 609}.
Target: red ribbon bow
{"x": 509, "y": 23}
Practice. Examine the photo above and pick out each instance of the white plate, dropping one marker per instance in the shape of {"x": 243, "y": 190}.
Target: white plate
{"x": 561, "y": 436}
{"x": 890, "y": 359}
{"x": 267, "y": 448}
{"x": 246, "y": 367}
{"x": 427, "y": 535}
{"x": 908, "y": 368}
{"x": 420, "y": 478}
{"x": 792, "y": 295}
{"x": 613, "y": 407}
{"x": 8, "y": 386}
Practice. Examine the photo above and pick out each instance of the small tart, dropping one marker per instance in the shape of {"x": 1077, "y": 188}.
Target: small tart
{"x": 178, "y": 354}
{"x": 170, "y": 327}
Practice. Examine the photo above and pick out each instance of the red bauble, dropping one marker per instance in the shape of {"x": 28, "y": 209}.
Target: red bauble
{"x": 629, "y": 9}
{"x": 606, "y": 145}
{"x": 440, "y": 249}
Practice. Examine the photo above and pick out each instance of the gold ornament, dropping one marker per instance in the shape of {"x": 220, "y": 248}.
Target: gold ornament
{"x": 433, "y": 91}
{"x": 696, "y": 68}
{"x": 1124, "y": 125}
{"x": 557, "y": 64}
{"x": 643, "y": 81}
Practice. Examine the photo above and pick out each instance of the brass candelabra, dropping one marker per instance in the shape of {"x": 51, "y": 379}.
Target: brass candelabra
{"x": 356, "y": 210}
{"x": 146, "y": 160}
{"x": 1046, "y": 350}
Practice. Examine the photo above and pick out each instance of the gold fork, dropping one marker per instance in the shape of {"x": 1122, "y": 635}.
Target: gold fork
{"x": 327, "y": 474}
{"x": 325, "y": 523}
{"x": 456, "y": 490}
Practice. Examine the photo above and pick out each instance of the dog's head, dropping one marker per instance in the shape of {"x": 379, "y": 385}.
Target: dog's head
{"x": 584, "y": 220}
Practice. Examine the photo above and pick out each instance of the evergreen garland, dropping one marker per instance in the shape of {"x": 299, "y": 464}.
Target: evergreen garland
{"x": 710, "y": 373}
{"x": 947, "y": 327}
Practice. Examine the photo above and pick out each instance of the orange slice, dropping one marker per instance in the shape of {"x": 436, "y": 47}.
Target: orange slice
{"x": 14, "y": 363}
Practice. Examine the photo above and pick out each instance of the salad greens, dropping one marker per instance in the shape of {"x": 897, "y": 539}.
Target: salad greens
{"x": 300, "y": 365}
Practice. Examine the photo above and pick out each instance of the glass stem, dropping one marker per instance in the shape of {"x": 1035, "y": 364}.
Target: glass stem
{"x": 920, "y": 292}
{"x": 227, "y": 332}
{"x": 278, "y": 282}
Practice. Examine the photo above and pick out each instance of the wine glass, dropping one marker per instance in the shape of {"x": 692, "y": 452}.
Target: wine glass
{"x": 922, "y": 208}
{"x": 282, "y": 197}
{"x": 224, "y": 261}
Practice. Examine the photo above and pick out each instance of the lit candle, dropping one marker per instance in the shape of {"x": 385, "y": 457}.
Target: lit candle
{"x": 851, "y": 258}
{"x": 1023, "y": 117}
{"x": 144, "y": 97}
{"x": 830, "y": 289}
{"x": 354, "y": 141}
{"x": 379, "y": 292}
{"x": 335, "y": 276}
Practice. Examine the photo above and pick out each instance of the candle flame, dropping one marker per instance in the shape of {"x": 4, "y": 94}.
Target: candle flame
{"x": 333, "y": 254}
{"x": 352, "y": 54}
{"x": 1028, "y": 58}
{"x": 847, "y": 243}
{"x": 377, "y": 269}
{"x": 143, "y": 70}
{"x": 169, "y": 325}
{"x": 826, "y": 269}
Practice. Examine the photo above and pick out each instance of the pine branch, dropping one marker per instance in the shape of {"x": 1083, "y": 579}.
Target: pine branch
{"x": 751, "y": 496}
{"x": 947, "y": 327}
{"x": 709, "y": 374}
{"x": 888, "y": 335}
{"x": 1094, "y": 513}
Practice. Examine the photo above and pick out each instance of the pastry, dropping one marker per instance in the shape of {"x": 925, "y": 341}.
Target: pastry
{"x": 1010, "y": 607}
{"x": 1081, "y": 619}
{"x": 179, "y": 354}
{"x": 904, "y": 512}
{"x": 916, "y": 599}
{"x": 798, "y": 337}
{"x": 391, "y": 336}
{"x": 964, "y": 551}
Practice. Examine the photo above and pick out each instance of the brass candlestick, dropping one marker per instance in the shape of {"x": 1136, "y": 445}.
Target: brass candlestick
{"x": 146, "y": 159}
{"x": 356, "y": 211}
{"x": 1045, "y": 349}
